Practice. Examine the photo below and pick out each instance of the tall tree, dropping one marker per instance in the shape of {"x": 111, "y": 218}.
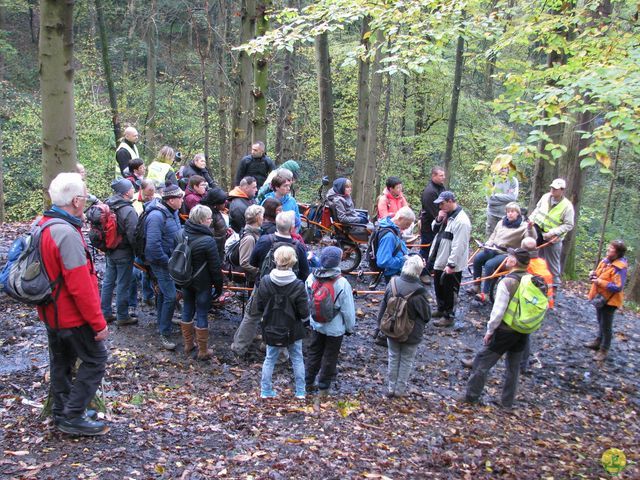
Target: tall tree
{"x": 453, "y": 110}
{"x": 152, "y": 67}
{"x": 56, "y": 87}
{"x": 360, "y": 165}
{"x": 201, "y": 28}
{"x": 104, "y": 49}
{"x": 325, "y": 94}
{"x": 286, "y": 97}
{"x": 222, "y": 27}
{"x": 261, "y": 76}
{"x": 130, "y": 21}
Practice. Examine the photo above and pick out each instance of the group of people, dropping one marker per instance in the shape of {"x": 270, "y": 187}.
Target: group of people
{"x": 291, "y": 287}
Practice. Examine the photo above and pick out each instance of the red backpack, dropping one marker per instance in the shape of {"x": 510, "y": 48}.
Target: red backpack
{"x": 323, "y": 299}
{"x": 104, "y": 233}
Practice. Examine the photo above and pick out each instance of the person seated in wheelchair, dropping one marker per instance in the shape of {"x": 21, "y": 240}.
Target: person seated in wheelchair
{"x": 343, "y": 209}
{"x": 508, "y": 233}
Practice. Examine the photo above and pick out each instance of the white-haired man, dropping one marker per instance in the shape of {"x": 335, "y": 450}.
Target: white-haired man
{"x": 76, "y": 328}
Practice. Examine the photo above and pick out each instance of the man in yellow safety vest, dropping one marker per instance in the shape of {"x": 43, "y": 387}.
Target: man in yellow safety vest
{"x": 126, "y": 151}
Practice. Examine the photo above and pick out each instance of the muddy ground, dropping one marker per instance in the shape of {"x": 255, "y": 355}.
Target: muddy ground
{"x": 172, "y": 417}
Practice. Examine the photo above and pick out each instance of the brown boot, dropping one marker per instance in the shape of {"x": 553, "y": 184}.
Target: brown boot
{"x": 593, "y": 344}
{"x": 601, "y": 355}
{"x": 188, "y": 332}
{"x": 467, "y": 362}
{"x": 202, "y": 338}
{"x": 445, "y": 322}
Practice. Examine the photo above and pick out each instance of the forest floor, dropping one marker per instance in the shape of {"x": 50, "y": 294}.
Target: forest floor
{"x": 171, "y": 417}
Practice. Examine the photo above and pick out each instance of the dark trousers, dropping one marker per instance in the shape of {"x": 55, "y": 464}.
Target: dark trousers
{"x": 446, "y": 289}
{"x": 71, "y": 397}
{"x": 483, "y": 363}
{"x": 322, "y": 359}
{"x": 605, "y": 324}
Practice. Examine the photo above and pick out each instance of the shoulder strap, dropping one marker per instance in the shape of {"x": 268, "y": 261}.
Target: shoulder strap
{"x": 394, "y": 290}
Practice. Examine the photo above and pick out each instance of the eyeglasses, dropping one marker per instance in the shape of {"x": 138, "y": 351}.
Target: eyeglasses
{"x": 83, "y": 196}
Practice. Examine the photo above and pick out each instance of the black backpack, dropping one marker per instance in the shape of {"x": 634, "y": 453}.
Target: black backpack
{"x": 180, "y": 265}
{"x": 372, "y": 246}
{"x": 269, "y": 262}
{"x": 140, "y": 236}
{"x": 278, "y": 318}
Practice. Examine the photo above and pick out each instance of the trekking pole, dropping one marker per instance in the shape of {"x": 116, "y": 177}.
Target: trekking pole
{"x": 493, "y": 275}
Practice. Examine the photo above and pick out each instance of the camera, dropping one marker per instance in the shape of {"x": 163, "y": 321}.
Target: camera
{"x": 178, "y": 157}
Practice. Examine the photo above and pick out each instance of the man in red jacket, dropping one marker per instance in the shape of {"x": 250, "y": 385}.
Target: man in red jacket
{"x": 76, "y": 328}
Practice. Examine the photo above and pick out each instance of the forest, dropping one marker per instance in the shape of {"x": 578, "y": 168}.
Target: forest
{"x": 346, "y": 87}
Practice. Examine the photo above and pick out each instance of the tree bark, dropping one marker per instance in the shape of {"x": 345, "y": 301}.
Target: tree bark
{"x": 242, "y": 108}
{"x": 633, "y": 290}
{"x": 56, "y": 86}
{"x": 261, "y": 76}
{"x": 359, "y": 167}
{"x": 284, "y": 124}
{"x": 325, "y": 94}
{"x": 222, "y": 92}
{"x": 152, "y": 65}
{"x": 203, "y": 47}
{"x": 104, "y": 49}
{"x": 453, "y": 110}
{"x": 1, "y": 144}
{"x": 131, "y": 12}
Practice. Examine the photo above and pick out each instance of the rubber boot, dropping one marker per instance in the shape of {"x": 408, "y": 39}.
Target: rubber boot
{"x": 187, "y": 336}
{"x": 202, "y": 339}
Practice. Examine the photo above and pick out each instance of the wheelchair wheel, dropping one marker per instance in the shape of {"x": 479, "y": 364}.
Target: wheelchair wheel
{"x": 351, "y": 257}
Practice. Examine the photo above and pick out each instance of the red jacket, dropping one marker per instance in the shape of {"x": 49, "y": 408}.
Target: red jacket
{"x": 388, "y": 205}
{"x": 64, "y": 252}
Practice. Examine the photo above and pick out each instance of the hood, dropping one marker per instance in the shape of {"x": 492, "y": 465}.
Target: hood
{"x": 292, "y": 166}
{"x": 282, "y": 277}
{"x": 214, "y": 196}
{"x": 326, "y": 272}
{"x": 156, "y": 204}
{"x": 191, "y": 191}
{"x": 386, "y": 222}
{"x": 390, "y": 195}
{"x": 191, "y": 228}
{"x": 619, "y": 263}
{"x": 273, "y": 195}
{"x": 237, "y": 193}
{"x": 117, "y": 201}
{"x": 339, "y": 185}
{"x": 331, "y": 193}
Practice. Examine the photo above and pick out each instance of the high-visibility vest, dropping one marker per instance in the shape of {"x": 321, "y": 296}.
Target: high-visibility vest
{"x": 132, "y": 151}
{"x": 547, "y": 218}
{"x": 157, "y": 172}
{"x": 527, "y": 307}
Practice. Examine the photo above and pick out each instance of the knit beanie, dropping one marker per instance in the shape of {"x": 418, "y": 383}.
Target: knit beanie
{"x": 330, "y": 257}
{"x": 172, "y": 191}
{"x": 121, "y": 186}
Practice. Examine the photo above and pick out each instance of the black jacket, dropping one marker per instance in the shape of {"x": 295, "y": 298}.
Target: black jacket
{"x": 263, "y": 245}
{"x": 258, "y": 168}
{"x": 191, "y": 169}
{"x": 127, "y": 219}
{"x": 237, "y": 207}
{"x": 429, "y": 209}
{"x": 204, "y": 250}
{"x": 419, "y": 309}
{"x": 294, "y": 291}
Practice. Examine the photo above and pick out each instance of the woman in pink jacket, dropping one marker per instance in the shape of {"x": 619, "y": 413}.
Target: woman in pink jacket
{"x": 391, "y": 199}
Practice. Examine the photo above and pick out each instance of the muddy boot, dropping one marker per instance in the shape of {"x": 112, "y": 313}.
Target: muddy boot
{"x": 445, "y": 321}
{"x": 467, "y": 362}
{"x": 601, "y": 355}
{"x": 188, "y": 332}
{"x": 202, "y": 338}
{"x": 593, "y": 344}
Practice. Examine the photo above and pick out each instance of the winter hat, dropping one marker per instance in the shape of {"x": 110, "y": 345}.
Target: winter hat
{"x": 339, "y": 185}
{"x": 121, "y": 186}
{"x": 330, "y": 257}
{"x": 172, "y": 191}
{"x": 292, "y": 166}
{"x": 521, "y": 255}
{"x": 214, "y": 196}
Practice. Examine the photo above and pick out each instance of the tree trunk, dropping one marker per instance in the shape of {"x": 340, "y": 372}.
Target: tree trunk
{"x": 284, "y": 148}
{"x": 222, "y": 92}
{"x": 453, "y": 111}
{"x": 152, "y": 64}
{"x": 104, "y": 48}
{"x": 633, "y": 290}
{"x": 131, "y": 15}
{"x": 242, "y": 109}
{"x": 1, "y": 144}
{"x": 261, "y": 76}
{"x": 56, "y": 86}
{"x": 359, "y": 167}
{"x": 325, "y": 94}
{"x": 384, "y": 134}
{"x": 607, "y": 208}
{"x": 370, "y": 192}
{"x": 203, "y": 47}
{"x": 404, "y": 149}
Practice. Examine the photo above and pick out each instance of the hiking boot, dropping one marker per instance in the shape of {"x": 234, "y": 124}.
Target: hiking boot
{"x": 81, "y": 425}
{"x": 176, "y": 321}
{"x": 202, "y": 339}
{"x": 464, "y": 399}
{"x": 126, "y": 321}
{"x": 467, "y": 362}
{"x": 109, "y": 318}
{"x": 166, "y": 342}
{"x": 481, "y": 298}
{"x": 473, "y": 289}
{"x": 133, "y": 313}
{"x": 188, "y": 333}
{"x": 91, "y": 414}
{"x": 437, "y": 314}
{"x": 593, "y": 344}
{"x": 601, "y": 355}
{"x": 444, "y": 322}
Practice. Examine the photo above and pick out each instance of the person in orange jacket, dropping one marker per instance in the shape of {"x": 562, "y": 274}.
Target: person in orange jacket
{"x": 607, "y": 282}
{"x": 392, "y": 198}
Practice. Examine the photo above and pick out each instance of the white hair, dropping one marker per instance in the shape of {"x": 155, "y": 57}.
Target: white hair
{"x": 284, "y": 222}
{"x": 413, "y": 266}
{"x": 199, "y": 213}
{"x": 65, "y": 187}
{"x": 406, "y": 213}
{"x": 252, "y": 213}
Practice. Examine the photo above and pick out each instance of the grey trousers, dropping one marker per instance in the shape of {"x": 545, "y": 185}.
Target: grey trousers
{"x": 400, "y": 365}
{"x": 551, "y": 253}
{"x": 483, "y": 363}
{"x": 247, "y": 329}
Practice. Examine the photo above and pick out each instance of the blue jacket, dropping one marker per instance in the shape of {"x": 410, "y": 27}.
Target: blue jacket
{"x": 289, "y": 204}
{"x": 345, "y": 320}
{"x": 162, "y": 228}
{"x": 389, "y": 263}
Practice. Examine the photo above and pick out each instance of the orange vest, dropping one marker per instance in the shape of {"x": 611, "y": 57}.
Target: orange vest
{"x": 606, "y": 273}
{"x": 538, "y": 266}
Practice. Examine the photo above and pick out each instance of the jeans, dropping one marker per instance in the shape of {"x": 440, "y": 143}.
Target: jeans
{"x": 485, "y": 263}
{"x": 247, "y": 329}
{"x": 297, "y": 362}
{"x": 446, "y": 288}
{"x": 605, "y": 324}
{"x": 140, "y": 277}
{"x": 166, "y": 298}
{"x": 483, "y": 363}
{"x": 117, "y": 275}
{"x": 400, "y": 365}
{"x": 322, "y": 359}
{"x": 198, "y": 303}
{"x": 71, "y": 398}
